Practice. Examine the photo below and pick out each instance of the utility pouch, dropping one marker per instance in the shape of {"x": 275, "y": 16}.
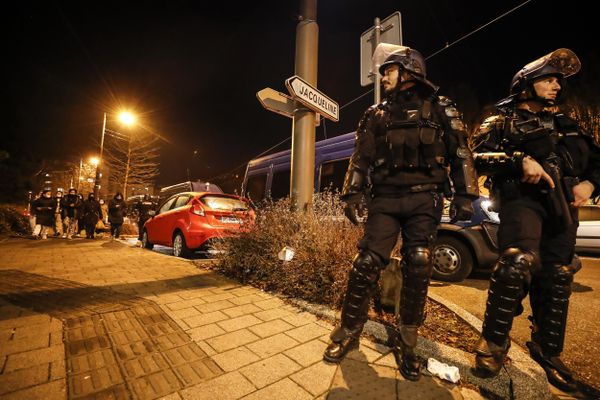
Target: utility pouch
{"x": 396, "y": 139}
{"x": 429, "y": 147}
{"x": 412, "y": 142}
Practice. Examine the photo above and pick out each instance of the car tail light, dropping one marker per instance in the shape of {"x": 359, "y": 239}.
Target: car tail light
{"x": 197, "y": 208}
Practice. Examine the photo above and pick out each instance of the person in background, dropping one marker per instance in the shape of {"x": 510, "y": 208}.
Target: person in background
{"x": 44, "y": 213}
{"x": 92, "y": 213}
{"x": 143, "y": 208}
{"x": 80, "y": 223}
{"x": 58, "y": 222}
{"x": 71, "y": 205}
{"x": 104, "y": 208}
{"x": 116, "y": 214}
{"x": 32, "y": 199}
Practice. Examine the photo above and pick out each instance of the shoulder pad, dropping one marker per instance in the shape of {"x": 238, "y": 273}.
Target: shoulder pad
{"x": 367, "y": 115}
{"x": 490, "y": 123}
{"x": 452, "y": 112}
{"x": 445, "y": 101}
{"x": 566, "y": 123}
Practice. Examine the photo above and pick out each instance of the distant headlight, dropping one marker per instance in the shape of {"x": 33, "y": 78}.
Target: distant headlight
{"x": 492, "y": 215}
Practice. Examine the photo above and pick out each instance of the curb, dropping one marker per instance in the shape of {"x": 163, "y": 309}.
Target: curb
{"x": 521, "y": 379}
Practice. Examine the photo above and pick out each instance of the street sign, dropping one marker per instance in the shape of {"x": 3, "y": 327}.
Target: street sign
{"x": 276, "y": 101}
{"x": 390, "y": 32}
{"x": 312, "y": 98}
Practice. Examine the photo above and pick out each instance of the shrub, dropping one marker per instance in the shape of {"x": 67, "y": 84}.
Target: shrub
{"x": 324, "y": 243}
{"x": 12, "y": 221}
{"x": 129, "y": 229}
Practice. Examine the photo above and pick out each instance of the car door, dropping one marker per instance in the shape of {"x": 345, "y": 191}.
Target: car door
{"x": 156, "y": 226}
{"x": 588, "y": 234}
{"x": 173, "y": 215}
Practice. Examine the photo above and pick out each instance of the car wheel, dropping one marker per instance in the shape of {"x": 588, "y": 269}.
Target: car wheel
{"x": 180, "y": 248}
{"x": 452, "y": 260}
{"x": 145, "y": 242}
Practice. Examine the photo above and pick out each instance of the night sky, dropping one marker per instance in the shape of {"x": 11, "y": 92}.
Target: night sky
{"x": 191, "y": 70}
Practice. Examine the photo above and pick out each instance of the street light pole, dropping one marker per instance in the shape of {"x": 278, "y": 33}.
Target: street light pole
{"x": 98, "y": 167}
{"x": 79, "y": 177}
{"x": 302, "y": 180}
{"x": 128, "y": 165}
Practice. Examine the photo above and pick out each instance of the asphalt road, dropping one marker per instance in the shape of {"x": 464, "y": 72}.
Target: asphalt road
{"x": 582, "y": 346}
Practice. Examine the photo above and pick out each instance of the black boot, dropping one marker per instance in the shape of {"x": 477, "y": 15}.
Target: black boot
{"x": 558, "y": 373}
{"x": 489, "y": 358}
{"x": 408, "y": 362}
{"x": 342, "y": 341}
{"x": 362, "y": 282}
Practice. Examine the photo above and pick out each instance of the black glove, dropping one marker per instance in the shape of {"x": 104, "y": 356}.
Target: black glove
{"x": 461, "y": 209}
{"x": 354, "y": 207}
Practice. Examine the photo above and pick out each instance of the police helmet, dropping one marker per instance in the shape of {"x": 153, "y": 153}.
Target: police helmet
{"x": 408, "y": 59}
{"x": 561, "y": 63}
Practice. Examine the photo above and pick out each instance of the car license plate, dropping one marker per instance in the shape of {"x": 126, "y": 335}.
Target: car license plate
{"x": 230, "y": 220}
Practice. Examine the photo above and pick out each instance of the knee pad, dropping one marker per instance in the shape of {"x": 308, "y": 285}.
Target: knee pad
{"x": 514, "y": 266}
{"x": 418, "y": 263}
{"x": 418, "y": 256}
{"x": 366, "y": 265}
{"x": 562, "y": 275}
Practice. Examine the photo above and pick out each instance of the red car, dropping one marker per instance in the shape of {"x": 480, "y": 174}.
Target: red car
{"x": 190, "y": 221}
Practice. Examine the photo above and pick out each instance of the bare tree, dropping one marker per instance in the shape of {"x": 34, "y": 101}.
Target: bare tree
{"x": 133, "y": 160}
{"x": 587, "y": 115}
{"x": 68, "y": 174}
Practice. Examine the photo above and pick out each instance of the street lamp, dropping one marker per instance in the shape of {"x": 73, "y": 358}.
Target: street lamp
{"x": 126, "y": 118}
{"x": 99, "y": 165}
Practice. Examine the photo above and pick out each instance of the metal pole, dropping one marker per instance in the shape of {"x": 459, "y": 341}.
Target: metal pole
{"x": 99, "y": 166}
{"x": 127, "y": 167}
{"x": 377, "y": 39}
{"x": 303, "y": 126}
{"x": 79, "y": 177}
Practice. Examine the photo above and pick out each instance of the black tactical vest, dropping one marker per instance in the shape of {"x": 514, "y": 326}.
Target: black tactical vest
{"x": 410, "y": 140}
{"x": 545, "y": 134}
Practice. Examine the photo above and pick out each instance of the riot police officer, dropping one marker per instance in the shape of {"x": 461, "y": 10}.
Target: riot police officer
{"x": 143, "y": 208}
{"x": 403, "y": 149}
{"x": 540, "y": 167}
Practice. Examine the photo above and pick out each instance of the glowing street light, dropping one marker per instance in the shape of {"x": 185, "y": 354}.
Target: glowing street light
{"x": 94, "y": 161}
{"x": 126, "y": 118}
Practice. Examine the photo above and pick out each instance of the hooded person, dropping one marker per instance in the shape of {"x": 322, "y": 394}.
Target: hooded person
{"x": 58, "y": 221}
{"x": 117, "y": 208}
{"x": 44, "y": 211}
{"x": 143, "y": 208}
{"x": 92, "y": 213}
{"x": 80, "y": 223}
{"x": 71, "y": 205}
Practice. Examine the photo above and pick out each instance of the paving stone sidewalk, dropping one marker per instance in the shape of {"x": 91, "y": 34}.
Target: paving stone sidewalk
{"x": 102, "y": 320}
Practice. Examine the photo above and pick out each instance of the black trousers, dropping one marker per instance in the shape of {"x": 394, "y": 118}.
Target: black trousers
{"x": 416, "y": 215}
{"x": 141, "y": 223}
{"x": 115, "y": 229}
{"x": 526, "y": 224}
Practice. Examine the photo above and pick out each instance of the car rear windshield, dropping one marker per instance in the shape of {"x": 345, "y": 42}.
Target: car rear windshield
{"x": 224, "y": 203}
